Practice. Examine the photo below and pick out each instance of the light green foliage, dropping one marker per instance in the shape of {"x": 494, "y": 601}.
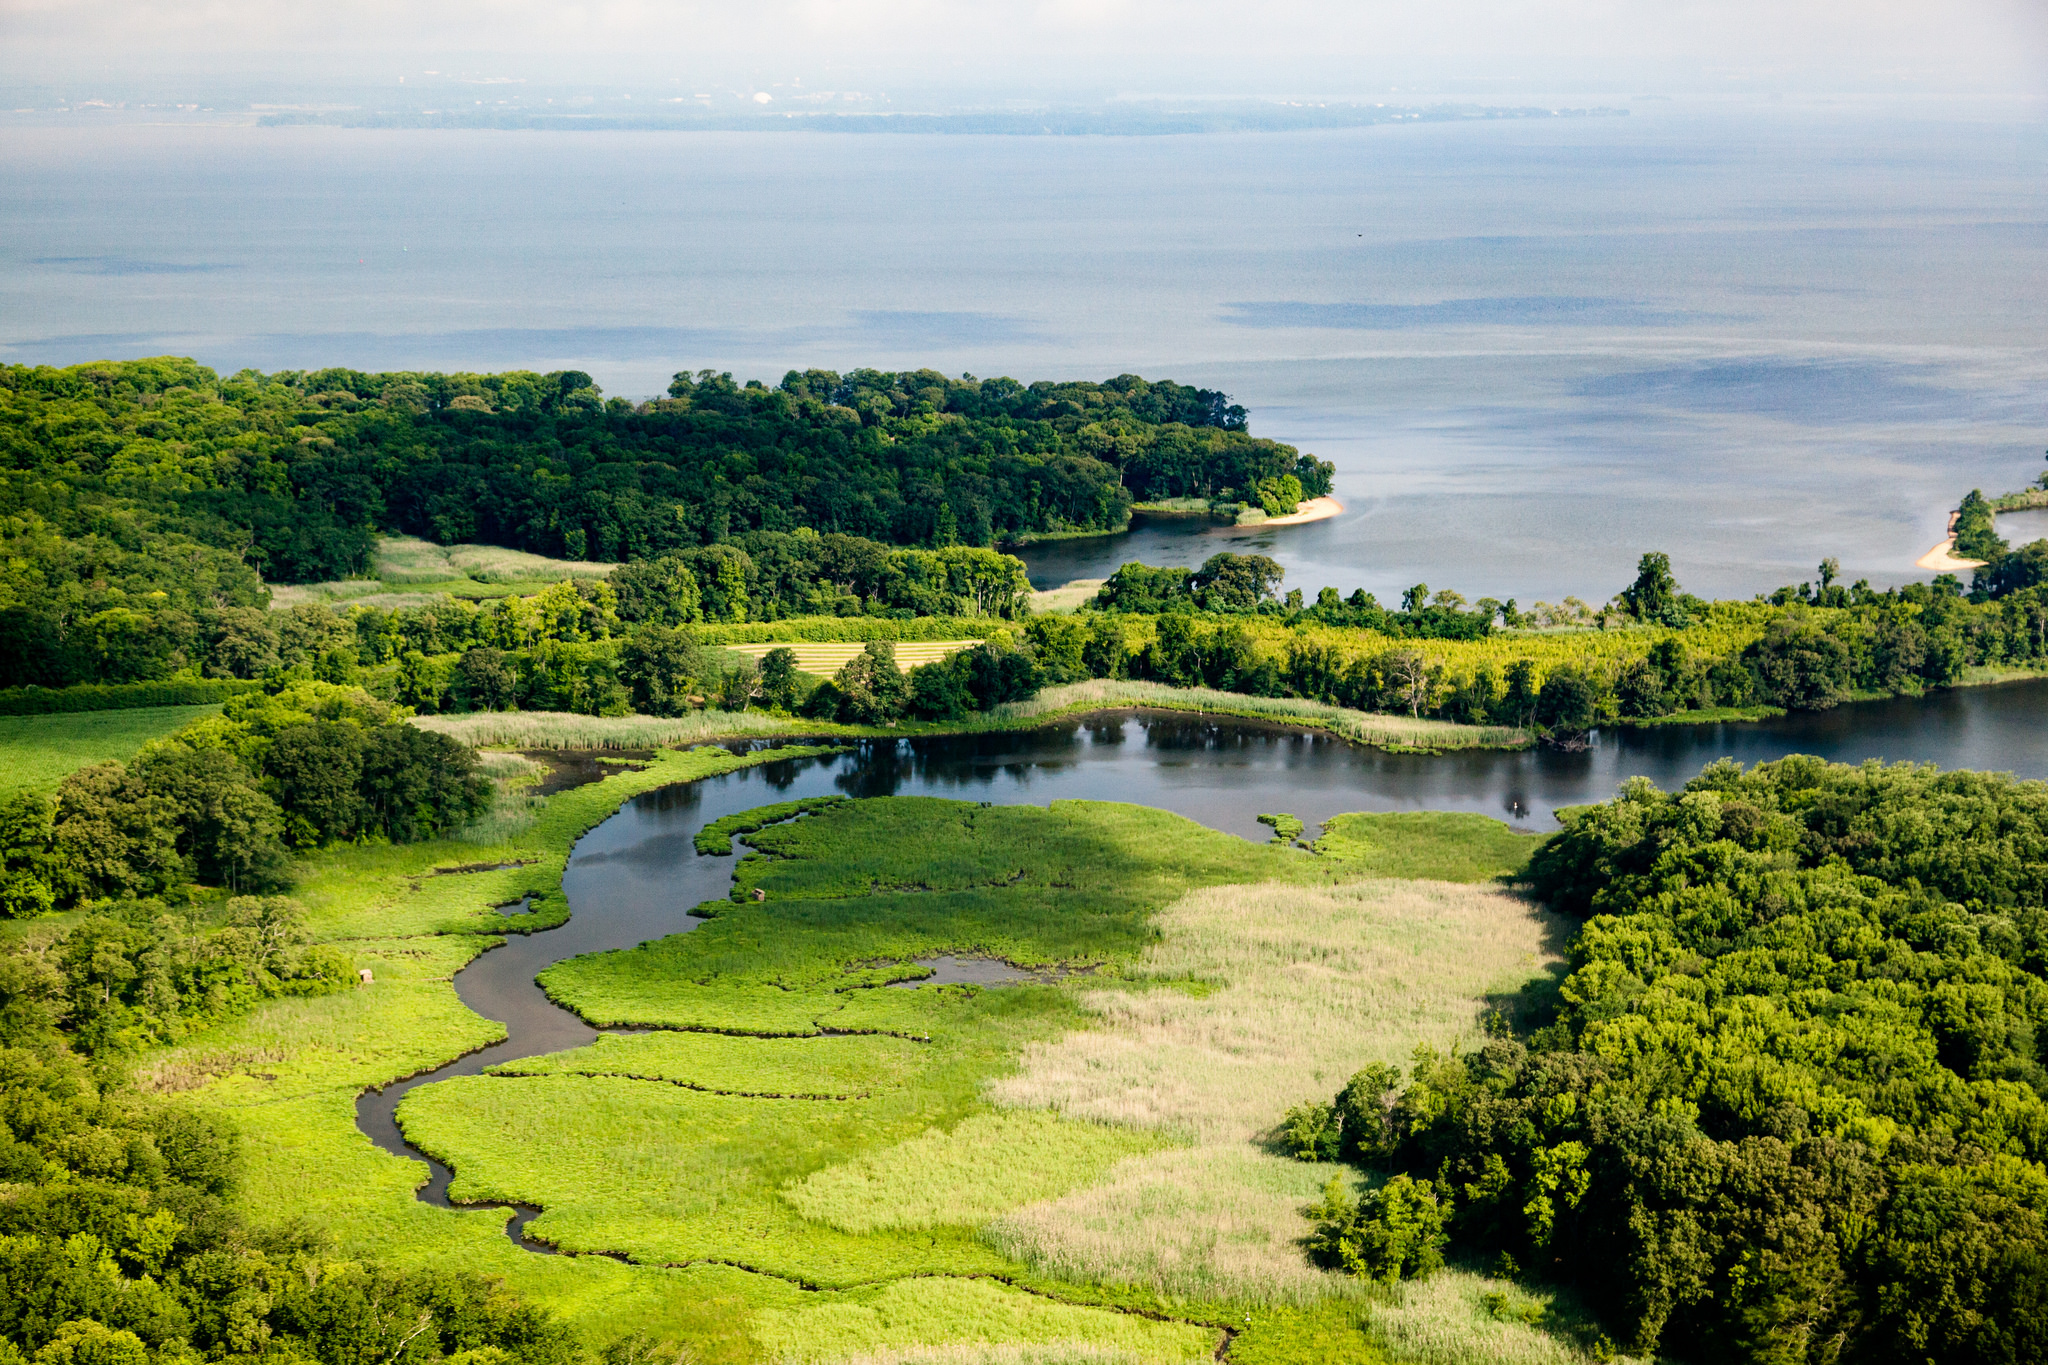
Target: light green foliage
{"x": 1285, "y": 827}
{"x": 916, "y": 1313}
{"x": 716, "y": 837}
{"x": 987, "y": 1165}
{"x": 1445, "y": 846}
{"x": 37, "y": 751}
{"x": 1393, "y": 1233}
{"x": 838, "y": 1067}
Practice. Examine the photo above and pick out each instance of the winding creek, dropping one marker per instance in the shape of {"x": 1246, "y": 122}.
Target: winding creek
{"x": 637, "y": 875}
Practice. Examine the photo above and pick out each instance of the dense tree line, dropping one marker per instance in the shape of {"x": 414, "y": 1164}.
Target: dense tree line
{"x": 291, "y": 473}
{"x": 1790, "y": 1105}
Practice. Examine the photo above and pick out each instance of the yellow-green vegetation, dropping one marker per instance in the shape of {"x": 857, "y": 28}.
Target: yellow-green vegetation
{"x": 1067, "y": 597}
{"x": 38, "y": 752}
{"x": 565, "y": 730}
{"x": 1444, "y": 846}
{"x": 839, "y": 1067}
{"x": 990, "y": 1163}
{"x": 825, "y": 659}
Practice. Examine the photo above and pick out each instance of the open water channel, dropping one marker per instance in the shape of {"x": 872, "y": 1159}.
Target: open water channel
{"x": 637, "y": 875}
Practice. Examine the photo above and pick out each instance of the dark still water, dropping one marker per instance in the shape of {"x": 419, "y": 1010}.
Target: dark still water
{"x": 636, "y": 876}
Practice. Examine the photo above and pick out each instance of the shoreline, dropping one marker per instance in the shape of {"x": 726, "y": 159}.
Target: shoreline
{"x": 1315, "y": 509}
{"x": 1940, "y": 559}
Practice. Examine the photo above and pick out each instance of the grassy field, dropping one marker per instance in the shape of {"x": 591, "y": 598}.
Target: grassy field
{"x": 408, "y": 571}
{"x": 37, "y": 752}
{"x": 1444, "y": 846}
{"x": 825, "y": 659}
{"x": 800, "y": 1164}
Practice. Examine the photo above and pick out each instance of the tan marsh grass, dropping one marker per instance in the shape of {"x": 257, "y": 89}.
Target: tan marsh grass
{"x": 1310, "y": 985}
{"x": 565, "y": 730}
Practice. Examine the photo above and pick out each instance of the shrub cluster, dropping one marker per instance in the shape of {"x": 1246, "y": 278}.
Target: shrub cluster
{"x": 222, "y": 799}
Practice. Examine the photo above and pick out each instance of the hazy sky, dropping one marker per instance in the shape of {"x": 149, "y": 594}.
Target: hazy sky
{"x": 1163, "y": 46}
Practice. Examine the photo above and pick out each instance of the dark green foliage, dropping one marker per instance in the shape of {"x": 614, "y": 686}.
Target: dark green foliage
{"x": 973, "y": 679}
{"x": 1976, "y": 529}
{"x": 1654, "y": 598}
{"x": 2005, "y": 574}
{"x": 1793, "y": 1100}
{"x": 662, "y": 664}
{"x": 870, "y": 689}
{"x": 716, "y": 837}
{"x": 783, "y": 687}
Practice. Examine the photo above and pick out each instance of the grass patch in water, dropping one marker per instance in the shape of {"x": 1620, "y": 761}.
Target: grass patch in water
{"x": 1442, "y": 846}
{"x": 716, "y": 838}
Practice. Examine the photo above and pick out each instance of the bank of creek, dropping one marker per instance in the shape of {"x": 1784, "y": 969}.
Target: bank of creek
{"x": 637, "y": 875}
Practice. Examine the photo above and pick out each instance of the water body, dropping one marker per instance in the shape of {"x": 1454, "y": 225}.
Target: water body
{"x": 637, "y": 875}
{"x": 1750, "y": 334}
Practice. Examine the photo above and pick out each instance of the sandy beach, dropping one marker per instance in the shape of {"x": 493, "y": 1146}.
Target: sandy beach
{"x": 1315, "y": 509}
{"x": 1941, "y": 559}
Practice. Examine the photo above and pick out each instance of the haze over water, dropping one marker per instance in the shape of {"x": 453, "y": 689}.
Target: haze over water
{"x": 1750, "y": 335}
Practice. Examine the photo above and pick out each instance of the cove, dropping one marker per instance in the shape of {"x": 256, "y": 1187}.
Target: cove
{"x": 637, "y": 875}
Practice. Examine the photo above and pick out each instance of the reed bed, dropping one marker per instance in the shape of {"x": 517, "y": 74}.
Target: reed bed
{"x": 1206, "y": 1223}
{"x": 1458, "y": 1318}
{"x": 1362, "y": 727}
{"x": 565, "y": 730}
{"x": 1311, "y": 985}
{"x": 1303, "y": 987}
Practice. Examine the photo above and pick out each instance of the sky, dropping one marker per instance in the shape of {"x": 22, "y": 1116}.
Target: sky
{"x": 1052, "y": 48}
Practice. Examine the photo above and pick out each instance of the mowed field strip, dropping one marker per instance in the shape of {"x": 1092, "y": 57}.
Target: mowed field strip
{"x": 828, "y": 658}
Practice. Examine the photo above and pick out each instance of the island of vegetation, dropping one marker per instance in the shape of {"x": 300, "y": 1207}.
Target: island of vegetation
{"x": 1751, "y": 1071}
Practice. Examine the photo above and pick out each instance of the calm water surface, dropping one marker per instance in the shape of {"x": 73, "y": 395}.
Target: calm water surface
{"x": 637, "y": 875}
{"x": 1750, "y": 334}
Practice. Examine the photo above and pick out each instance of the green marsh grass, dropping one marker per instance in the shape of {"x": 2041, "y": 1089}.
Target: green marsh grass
{"x": 987, "y": 1165}
{"x": 842, "y": 1067}
{"x": 1444, "y": 846}
{"x": 38, "y": 752}
{"x": 716, "y": 838}
{"x": 904, "y": 1320}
